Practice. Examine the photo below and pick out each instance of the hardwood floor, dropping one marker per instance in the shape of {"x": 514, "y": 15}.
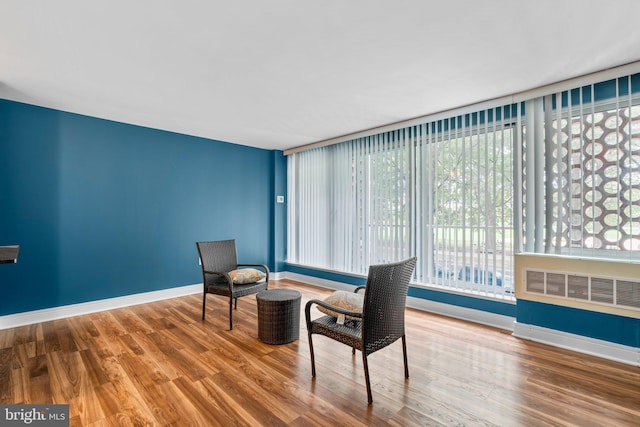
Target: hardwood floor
{"x": 159, "y": 364}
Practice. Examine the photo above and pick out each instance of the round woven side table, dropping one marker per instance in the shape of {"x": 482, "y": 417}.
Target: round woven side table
{"x": 278, "y": 316}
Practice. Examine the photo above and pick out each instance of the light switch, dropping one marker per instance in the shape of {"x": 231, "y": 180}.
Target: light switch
{"x": 279, "y": 199}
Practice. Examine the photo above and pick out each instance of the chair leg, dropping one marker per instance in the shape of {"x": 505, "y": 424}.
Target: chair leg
{"x": 313, "y": 360}
{"x": 236, "y": 303}
{"x": 230, "y": 314}
{"x": 353, "y": 350}
{"x": 404, "y": 352}
{"x": 204, "y": 303}
{"x": 366, "y": 377}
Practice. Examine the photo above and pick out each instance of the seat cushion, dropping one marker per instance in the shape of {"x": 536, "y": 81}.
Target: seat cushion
{"x": 349, "y": 301}
{"x": 245, "y": 276}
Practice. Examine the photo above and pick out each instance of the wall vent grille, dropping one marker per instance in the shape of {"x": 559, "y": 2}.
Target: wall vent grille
{"x": 582, "y": 287}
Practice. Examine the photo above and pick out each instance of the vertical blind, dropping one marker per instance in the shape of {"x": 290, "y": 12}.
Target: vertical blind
{"x": 350, "y": 204}
{"x": 557, "y": 174}
{"x": 441, "y": 190}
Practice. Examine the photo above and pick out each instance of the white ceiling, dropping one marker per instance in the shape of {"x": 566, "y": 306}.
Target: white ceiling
{"x": 282, "y": 73}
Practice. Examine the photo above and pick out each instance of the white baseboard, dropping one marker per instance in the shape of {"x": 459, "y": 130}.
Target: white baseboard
{"x": 47, "y": 314}
{"x": 317, "y": 281}
{"x": 44, "y": 315}
{"x": 579, "y": 343}
{"x": 476, "y": 316}
{"x": 276, "y": 275}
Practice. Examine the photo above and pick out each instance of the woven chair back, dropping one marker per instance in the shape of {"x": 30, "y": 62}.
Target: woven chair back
{"x": 218, "y": 256}
{"x": 384, "y": 303}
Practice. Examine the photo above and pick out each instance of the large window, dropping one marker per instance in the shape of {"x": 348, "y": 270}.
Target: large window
{"x": 556, "y": 174}
{"x": 350, "y": 204}
{"x": 465, "y": 194}
{"x": 441, "y": 190}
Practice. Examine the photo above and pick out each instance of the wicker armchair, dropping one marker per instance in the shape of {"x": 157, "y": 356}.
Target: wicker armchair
{"x": 218, "y": 259}
{"x": 381, "y": 321}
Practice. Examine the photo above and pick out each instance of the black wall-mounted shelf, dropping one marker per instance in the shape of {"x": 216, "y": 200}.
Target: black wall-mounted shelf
{"x": 9, "y": 254}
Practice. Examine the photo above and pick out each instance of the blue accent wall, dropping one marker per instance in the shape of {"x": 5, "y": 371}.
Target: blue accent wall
{"x": 102, "y": 209}
{"x": 482, "y": 304}
{"x": 279, "y": 250}
{"x": 602, "y": 326}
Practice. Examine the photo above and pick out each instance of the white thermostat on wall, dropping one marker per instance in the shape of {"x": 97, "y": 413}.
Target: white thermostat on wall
{"x": 279, "y": 199}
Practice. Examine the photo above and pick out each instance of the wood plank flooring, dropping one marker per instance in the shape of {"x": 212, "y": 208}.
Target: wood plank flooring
{"x": 159, "y": 364}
